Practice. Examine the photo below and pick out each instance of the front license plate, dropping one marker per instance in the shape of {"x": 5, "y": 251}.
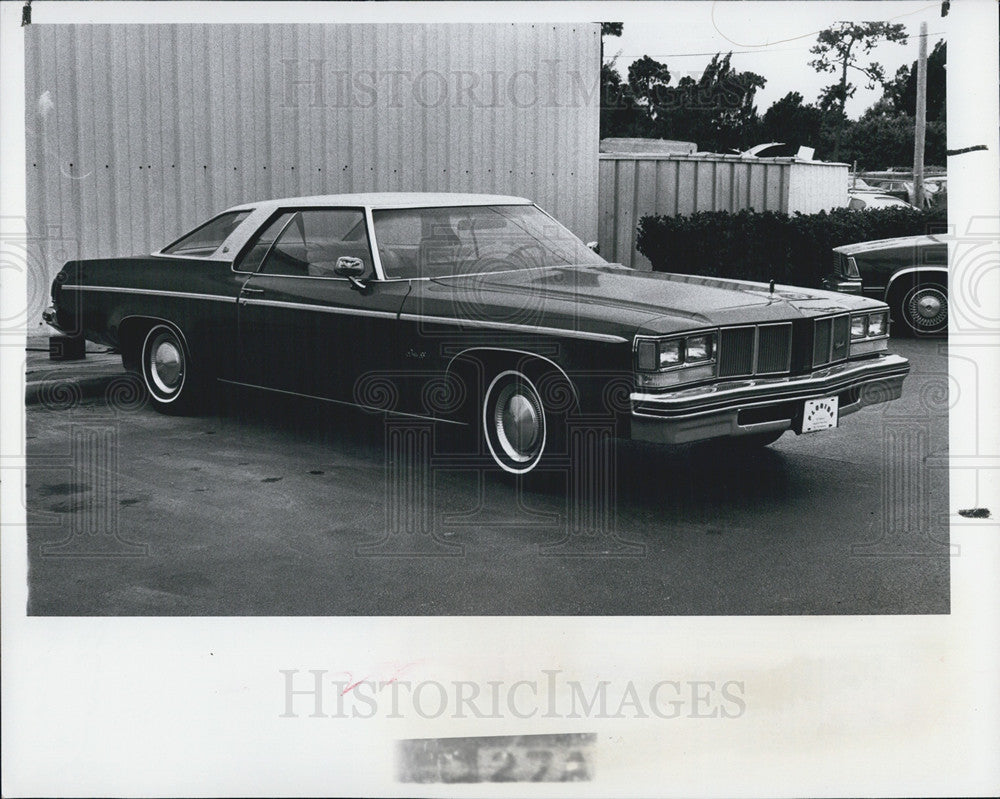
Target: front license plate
{"x": 819, "y": 414}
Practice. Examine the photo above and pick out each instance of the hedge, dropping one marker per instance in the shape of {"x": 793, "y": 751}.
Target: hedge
{"x": 768, "y": 245}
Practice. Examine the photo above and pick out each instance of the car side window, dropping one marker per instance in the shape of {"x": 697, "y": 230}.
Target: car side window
{"x": 262, "y": 243}
{"x": 312, "y": 241}
{"x": 206, "y": 239}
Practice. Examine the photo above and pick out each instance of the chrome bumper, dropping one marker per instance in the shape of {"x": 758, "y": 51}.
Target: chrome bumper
{"x": 845, "y": 285}
{"x": 49, "y": 317}
{"x": 742, "y": 407}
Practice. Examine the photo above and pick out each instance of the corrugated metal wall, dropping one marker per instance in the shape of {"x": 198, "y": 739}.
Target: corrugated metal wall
{"x": 135, "y": 133}
{"x": 634, "y": 186}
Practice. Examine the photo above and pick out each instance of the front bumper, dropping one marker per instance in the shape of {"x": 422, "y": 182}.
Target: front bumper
{"x": 845, "y": 285}
{"x": 743, "y": 407}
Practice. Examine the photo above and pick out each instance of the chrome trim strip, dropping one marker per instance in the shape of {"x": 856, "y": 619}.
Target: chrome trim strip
{"x": 202, "y": 258}
{"x": 484, "y": 323}
{"x": 301, "y": 306}
{"x": 373, "y": 244}
{"x": 562, "y": 371}
{"x": 341, "y": 402}
{"x": 886, "y": 366}
{"x": 156, "y": 292}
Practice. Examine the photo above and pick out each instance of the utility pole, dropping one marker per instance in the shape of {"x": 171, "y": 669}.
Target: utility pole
{"x": 921, "y": 127}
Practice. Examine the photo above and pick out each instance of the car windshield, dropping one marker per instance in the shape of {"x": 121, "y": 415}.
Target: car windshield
{"x": 439, "y": 242}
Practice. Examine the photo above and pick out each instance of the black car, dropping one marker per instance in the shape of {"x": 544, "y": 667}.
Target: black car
{"x": 480, "y": 312}
{"x": 910, "y": 274}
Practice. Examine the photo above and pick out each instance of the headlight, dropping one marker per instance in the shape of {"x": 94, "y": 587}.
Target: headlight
{"x": 878, "y": 323}
{"x": 669, "y": 361}
{"x": 670, "y": 353}
{"x": 698, "y": 348}
{"x": 869, "y": 333}
{"x": 859, "y": 327}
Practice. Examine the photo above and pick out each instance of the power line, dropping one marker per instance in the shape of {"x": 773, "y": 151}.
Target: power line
{"x": 734, "y": 52}
{"x": 813, "y": 33}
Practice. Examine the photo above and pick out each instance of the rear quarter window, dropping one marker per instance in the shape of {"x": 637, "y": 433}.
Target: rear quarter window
{"x": 207, "y": 238}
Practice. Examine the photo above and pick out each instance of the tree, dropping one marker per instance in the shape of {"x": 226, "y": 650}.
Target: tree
{"x": 901, "y": 92}
{"x": 844, "y": 47}
{"x": 881, "y": 141}
{"x": 717, "y": 111}
{"x": 789, "y": 120}
{"x": 648, "y": 79}
{"x": 620, "y": 114}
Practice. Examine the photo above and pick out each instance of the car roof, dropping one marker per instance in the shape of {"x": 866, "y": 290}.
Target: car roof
{"x": 386, "y": 200}
{"x": 260, "y": 212}
{"x": 894, "y": 243}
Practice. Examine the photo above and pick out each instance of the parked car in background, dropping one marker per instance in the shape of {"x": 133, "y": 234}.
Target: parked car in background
{"x": 866, "y": 200}
{"x": 936, "y": 185}
{"x": 895, "y": 188}
{"x": 860, "y": 184}
{"x": 480, "y": 312}
{"x": 910, "y": 274}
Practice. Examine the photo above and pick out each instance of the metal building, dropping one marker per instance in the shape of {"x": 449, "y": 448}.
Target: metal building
{"x": 633, "y": 186}
{"x": 135, "y": 133}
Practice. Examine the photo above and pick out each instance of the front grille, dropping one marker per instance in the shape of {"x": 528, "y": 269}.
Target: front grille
{"x": 774, "y": 348}
{"x": 736, "y": 351}
{"x": 831, "y": 339}
{"x": 762, "y": 350}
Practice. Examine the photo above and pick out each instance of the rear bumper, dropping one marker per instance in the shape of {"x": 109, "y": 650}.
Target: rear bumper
{"x": 743, "y": 407}
{"x": 51, "y": 318}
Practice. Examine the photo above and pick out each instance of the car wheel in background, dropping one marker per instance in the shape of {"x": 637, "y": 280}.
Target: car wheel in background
{"x": 923, "y": 308}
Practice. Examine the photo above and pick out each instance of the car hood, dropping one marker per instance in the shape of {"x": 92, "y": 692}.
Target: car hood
{"x": 903, "y": 244}
{"x": 617, "y": 299}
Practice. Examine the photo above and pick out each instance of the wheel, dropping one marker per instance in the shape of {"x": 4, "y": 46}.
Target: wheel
{"x": 166, "y": 370}
{"x": 514, "y": 423}
{"x": 923, "y": 309}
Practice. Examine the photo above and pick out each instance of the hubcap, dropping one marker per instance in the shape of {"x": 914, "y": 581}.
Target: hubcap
{"x": 928, "y": 309}
{"x": 928, "y": 306}
{"x": 166, "y": 364}
{"x": 519, "y": 423}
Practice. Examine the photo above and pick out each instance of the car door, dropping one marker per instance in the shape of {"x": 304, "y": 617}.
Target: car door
{"x": 302, "y": 328}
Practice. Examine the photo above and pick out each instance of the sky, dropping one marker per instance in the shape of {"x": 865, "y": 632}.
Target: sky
{"x": 771, "y": 39}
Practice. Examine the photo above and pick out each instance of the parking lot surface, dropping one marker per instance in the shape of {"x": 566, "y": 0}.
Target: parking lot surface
{"x": 279, "y": 506}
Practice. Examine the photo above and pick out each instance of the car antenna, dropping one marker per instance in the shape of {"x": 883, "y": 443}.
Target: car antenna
{"x": 772, "y": 285}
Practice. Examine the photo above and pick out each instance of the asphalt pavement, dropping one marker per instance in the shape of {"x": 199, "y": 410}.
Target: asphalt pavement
{"x": 287, "y": 507}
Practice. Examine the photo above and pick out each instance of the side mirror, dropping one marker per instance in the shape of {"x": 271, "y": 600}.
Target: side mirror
{"x": 351, "y": 268}
{"x": 593, "y": 245}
